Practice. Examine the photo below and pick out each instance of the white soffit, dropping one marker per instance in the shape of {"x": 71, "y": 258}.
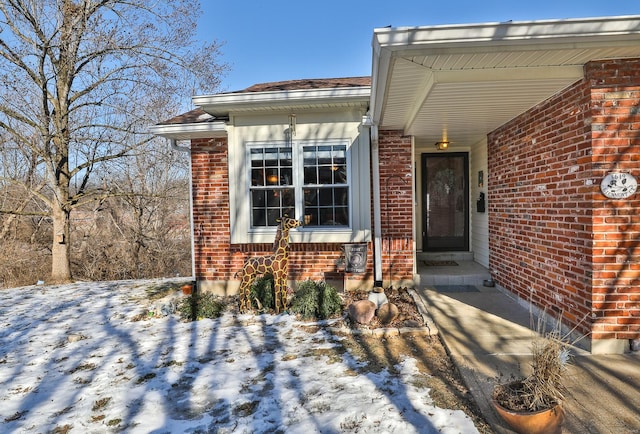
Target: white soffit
{"x": 468, "y": 80}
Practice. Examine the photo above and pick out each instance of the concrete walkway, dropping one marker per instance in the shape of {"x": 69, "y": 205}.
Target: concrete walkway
{"x": 488, "y": 335}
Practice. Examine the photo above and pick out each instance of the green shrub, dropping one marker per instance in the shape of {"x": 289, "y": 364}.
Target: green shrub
{"x": 316, "y": 300}
{"x": 198, "y": 306}
{"x": 330, "y": 301}
{"x": 306, "y": 301}
{"x": 261, "y": 293}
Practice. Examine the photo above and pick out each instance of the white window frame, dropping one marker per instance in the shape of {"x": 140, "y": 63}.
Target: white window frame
{"x": 297, "y": 158}
{"x": 358, "y": 180}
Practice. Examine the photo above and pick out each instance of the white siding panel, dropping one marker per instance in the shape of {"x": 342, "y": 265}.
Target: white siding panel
{"x": 479, "y": 221}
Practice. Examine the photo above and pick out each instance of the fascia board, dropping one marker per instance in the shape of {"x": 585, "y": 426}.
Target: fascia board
{"x": 588, "y": 31}
{"x": 381, "y": 66}
{"x": 225, "y": 103}
{"x": 190, "y": 131}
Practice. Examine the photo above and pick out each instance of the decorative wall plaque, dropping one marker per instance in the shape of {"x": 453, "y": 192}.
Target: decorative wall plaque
{"x": 618, "y": 185}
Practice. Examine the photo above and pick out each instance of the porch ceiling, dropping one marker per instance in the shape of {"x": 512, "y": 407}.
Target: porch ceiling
{"x": 462, "y": 82}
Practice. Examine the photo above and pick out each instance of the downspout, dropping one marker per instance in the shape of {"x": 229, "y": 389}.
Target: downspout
{"x": 377, "y": 219}
{"x": 174, "y": 146}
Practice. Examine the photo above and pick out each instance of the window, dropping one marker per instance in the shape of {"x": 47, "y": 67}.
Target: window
{"x": 310, "y": 180}
{"x": 326, "y": 191}
{"x": 272, "y": 189}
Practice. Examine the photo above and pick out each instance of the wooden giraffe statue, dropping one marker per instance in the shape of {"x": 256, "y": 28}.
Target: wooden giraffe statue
{"x": 277, "y": 264}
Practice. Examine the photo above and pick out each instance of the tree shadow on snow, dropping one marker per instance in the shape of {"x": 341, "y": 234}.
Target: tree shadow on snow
{"x": 75, "y": 357}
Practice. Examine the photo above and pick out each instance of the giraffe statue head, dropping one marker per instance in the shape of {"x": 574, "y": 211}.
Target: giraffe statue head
{"x": 282, "y": 234}
{"x": 287, "y": 223}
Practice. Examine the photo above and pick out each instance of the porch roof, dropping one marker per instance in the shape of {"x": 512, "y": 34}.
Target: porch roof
{"x": 460, "y": 82}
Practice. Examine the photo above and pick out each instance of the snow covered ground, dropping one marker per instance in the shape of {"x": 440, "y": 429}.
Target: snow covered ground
{"x": 73, "y": 360}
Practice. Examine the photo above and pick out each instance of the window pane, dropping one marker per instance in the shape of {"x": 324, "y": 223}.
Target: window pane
{"x": 257, "y": 157}
{"x": 310, "y": 175}
{"x": 271, "y": 157}
{"x": 272, "y": 217}
{"x": 258, "y": 208}
{"x": 340, "y": 175}
{"x": 272, "y": 176}
{"x": 340, "y": 196}
{"x": 273, "y": 198}
{"x": 327, "y": 206}
{"x": 267, "y": 203}
{"x": 325, "y": 175}
{"x": 257, "y": 177}
{"x": 326, "y": 197}
{"x": 311, "y": 197}
{"x": 286, "y": 176}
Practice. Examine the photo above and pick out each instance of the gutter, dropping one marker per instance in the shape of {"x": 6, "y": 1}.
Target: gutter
{"x": 540, "y": 35}
{"x": 174, "y": 145}
{"x": 377, "y": 217}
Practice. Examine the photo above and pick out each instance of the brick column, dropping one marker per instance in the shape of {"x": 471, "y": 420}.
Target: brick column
{"x": 615, "y": 124}
{"x": 210, "y": 185}
{"x": 396, "y": 186}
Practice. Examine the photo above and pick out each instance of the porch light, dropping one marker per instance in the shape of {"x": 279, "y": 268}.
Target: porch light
{"x": 441, "y": 146}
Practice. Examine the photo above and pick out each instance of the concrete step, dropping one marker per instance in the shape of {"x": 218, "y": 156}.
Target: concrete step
{"x": 444, "y": 256}
{"x": 465, "y": 273}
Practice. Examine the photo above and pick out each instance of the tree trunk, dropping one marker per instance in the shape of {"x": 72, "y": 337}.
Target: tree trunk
{"x": 60, "y": 248}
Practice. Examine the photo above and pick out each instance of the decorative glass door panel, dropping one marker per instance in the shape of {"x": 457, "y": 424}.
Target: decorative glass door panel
{"x": 445, "y": 196}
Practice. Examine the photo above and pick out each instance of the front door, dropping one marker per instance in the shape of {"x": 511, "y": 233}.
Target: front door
{"x": 445, "y": 199}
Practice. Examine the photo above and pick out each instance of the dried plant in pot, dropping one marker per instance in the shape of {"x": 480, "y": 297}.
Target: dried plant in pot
{"x": 534, "y": 404}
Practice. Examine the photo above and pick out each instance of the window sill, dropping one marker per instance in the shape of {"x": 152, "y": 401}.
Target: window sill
{"x": 343, "y": 235}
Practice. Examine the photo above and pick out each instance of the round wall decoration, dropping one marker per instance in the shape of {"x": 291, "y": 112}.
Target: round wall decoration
{"x": 619, "y": 185}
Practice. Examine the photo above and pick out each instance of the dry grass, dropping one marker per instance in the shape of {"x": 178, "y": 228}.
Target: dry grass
{"x": 544, "y": 388}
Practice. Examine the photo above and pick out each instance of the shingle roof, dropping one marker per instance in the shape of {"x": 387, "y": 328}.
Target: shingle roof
{"x": 199, "y": 116}
{"x": 194, "y": 116}
{"x": 312, "y": 83}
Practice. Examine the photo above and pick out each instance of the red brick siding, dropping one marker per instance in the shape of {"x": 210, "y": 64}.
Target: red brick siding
{"x": 210, "y": 189}
{"x": 396, "y": 184}
{"x": 553, "y": 237}
{"x": 615, "y": 121}
{"x": 218, "y": 260}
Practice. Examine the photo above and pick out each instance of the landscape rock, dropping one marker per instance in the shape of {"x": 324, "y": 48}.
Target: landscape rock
{"x": 362, "y": 311}
{"x": 387, "y": 313}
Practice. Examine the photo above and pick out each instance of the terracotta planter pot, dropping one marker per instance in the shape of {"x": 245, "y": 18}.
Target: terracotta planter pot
{"x": 538, "y": 422}
{"x": 186, "y": 289}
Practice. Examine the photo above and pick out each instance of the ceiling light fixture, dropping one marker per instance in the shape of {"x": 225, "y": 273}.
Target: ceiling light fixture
{"x": 442, "y": 145}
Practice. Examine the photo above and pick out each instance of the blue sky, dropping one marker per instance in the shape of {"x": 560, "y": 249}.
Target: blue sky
{"x": 276, "y": 40}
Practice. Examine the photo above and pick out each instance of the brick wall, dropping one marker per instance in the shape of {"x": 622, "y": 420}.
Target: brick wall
{"x": 396, "y": 184}
{"x": 615, "y": 124}
{"x": 210, "y": 189}
{"x": 554, "y": 239}
{"x": 216, "y": 260}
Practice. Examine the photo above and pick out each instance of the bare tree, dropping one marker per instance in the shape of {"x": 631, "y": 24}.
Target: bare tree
{"x": 143, "y": 232}
{"x": 77, "y": 79}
